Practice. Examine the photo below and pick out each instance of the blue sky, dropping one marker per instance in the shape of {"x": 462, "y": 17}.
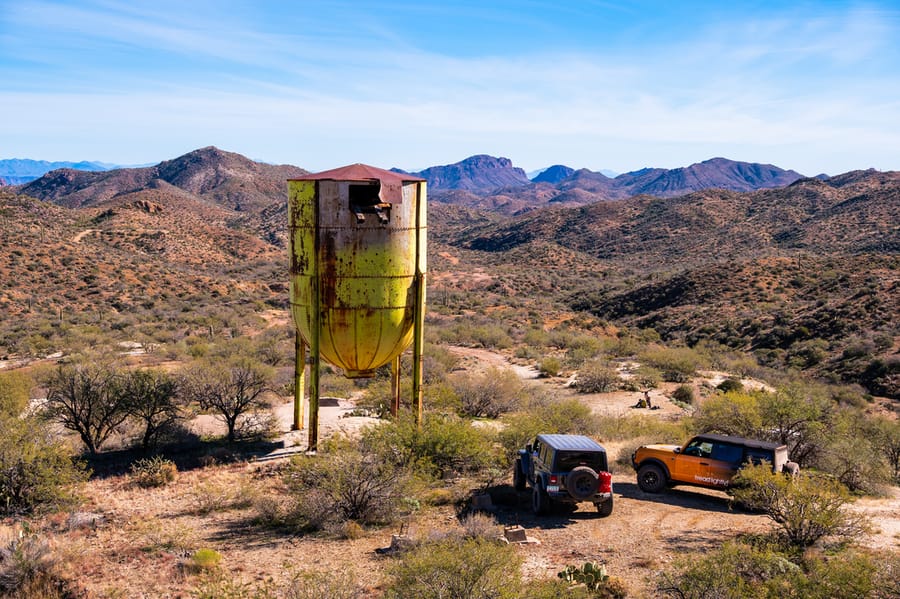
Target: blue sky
{"x": 812, "y": 86}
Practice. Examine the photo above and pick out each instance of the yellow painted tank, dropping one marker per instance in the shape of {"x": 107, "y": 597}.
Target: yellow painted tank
{"x": 357, "y": 243}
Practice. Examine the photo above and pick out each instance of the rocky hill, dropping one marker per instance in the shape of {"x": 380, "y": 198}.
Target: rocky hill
{"x": 805, "y": 276}
{"x": 478, "y": 174}
{"x": 223, "y": 178}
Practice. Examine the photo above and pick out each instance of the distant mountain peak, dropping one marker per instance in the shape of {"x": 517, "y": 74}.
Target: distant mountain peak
{"x": 479, "y": 174}
{"x": 554, "y": 174}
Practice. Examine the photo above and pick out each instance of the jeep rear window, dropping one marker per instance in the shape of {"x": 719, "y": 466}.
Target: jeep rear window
{"x": 567, "y": 460}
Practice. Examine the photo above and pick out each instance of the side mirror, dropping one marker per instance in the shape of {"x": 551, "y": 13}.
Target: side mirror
{"x": 528, "y": 448}
{"x": 677, "y": 450}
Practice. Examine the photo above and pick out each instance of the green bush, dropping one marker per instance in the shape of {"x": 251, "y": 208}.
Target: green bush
{"x": 550, "y": 366}
{"x": 36, "y": 471}
{"x": 490, "y": 394}
{"x": 458, "y": 568}
{"x": 684, "y": 394}
{"x": 441, "y": 446}
{"x": 15, "y": 388}
{"x": 344, "y": 484}
{"x": 752, "y": 570}
{"x": 729, "y": 385}
{"x": 805, "y": 508}
{"x": 206, "y": 559}
{"x": 597, "y": 376}
{"x": 647, "y": 377}
{"x": 153, "y": 472}
{"x": 678, "y": 364}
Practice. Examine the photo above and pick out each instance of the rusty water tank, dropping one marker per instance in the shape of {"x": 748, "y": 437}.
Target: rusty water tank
{"x": 357, "y": 243}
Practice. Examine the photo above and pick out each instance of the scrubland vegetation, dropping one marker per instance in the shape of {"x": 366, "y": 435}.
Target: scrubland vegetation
{"x": 108, "y": 487}
{"x": 140, "y": 409}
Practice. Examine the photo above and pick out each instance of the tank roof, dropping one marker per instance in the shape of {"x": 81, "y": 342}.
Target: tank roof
{"x": 359, "y": 172}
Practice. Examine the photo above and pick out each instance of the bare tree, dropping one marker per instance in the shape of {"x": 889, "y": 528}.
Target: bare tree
{"x": 150, "y": 397}
{"x": 231, "y": 391}
{"x": 86, "y": 398}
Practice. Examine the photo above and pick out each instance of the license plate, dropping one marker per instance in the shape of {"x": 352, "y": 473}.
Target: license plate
{"x": 552, "y": 488}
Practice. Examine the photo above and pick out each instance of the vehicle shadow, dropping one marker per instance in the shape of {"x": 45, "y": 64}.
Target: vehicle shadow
{"x": 690, "y": 498}
{"x": 513, "y": 508}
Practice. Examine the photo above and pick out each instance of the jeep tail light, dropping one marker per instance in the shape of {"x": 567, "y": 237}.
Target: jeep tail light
{"x": 605, "y": 482}
{"x": 554, "y": 480}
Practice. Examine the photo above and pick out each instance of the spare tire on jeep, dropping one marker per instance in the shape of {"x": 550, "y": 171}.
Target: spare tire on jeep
{"x": 582, "y": 483}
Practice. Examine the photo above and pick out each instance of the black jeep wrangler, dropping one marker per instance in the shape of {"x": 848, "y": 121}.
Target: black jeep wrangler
{"x": 564, "y": 469}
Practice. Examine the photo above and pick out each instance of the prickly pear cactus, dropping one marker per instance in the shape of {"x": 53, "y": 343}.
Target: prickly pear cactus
{"x": 592, "y": 575}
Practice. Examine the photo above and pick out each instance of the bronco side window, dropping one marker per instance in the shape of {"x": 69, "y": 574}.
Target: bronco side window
{"x": 727, "y": 453}
{"x": 698, "y": 448}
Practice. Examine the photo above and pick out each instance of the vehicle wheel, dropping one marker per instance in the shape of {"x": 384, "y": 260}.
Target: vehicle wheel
{"x": 540, "y": 501}
{"x": 582, "y": 483}
{"x": 651, "y": 478}
{"x": 605, "y": 508}
{"x": 518, "y": 476}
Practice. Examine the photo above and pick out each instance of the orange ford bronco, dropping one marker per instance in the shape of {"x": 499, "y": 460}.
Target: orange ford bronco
{"x": 707, "y": 460}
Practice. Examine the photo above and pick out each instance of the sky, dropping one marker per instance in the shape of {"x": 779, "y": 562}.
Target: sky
{"x": 810, "y": 86}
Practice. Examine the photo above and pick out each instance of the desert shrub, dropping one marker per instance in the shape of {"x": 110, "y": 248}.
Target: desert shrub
{"x": 484, "y": 335}
{"x": 550, "y": 366}
{"x": 29, "y": 570}
{"x": 684, "y": 394}
{"x": 206, "y": 559}
{"x": 213, "y": 585}
{"x": 737, "y": 570}
{"x": 678, "y": 364}
{"x": 647, "y": 377}
{"x": 442, "y": 445}
{"x": 618, "y": 428}
{"x": 596, "y": 376}
{"x": 805, "y": 508}
{"x": 15, "y": 388}
{"x": 344, "y": 484}
{"x": 729, "y": 385}
{"x": 319, "y": 584}
{"x": 153, "y": 472}
{"x": 731, "y": 413}
{"x": 462, "y": 568}
{"x": 36, "y": 470}
{"x": 851, "y": 453}
{"x": 742, "y": 569}
{"x": 478, "y": 525}
{"x": 886, "y": 436}
{"x": 490, "y": 394}
{"x": 565, "y": 416}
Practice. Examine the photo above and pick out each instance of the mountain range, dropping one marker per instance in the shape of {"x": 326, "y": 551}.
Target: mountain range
{"x": 16, "y": 171}
{"x": 490, "y": 183}
{"x": 810, "y": 268}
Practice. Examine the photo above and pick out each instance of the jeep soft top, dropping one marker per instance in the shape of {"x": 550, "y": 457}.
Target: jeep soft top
{"x": 566, "y": 469}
